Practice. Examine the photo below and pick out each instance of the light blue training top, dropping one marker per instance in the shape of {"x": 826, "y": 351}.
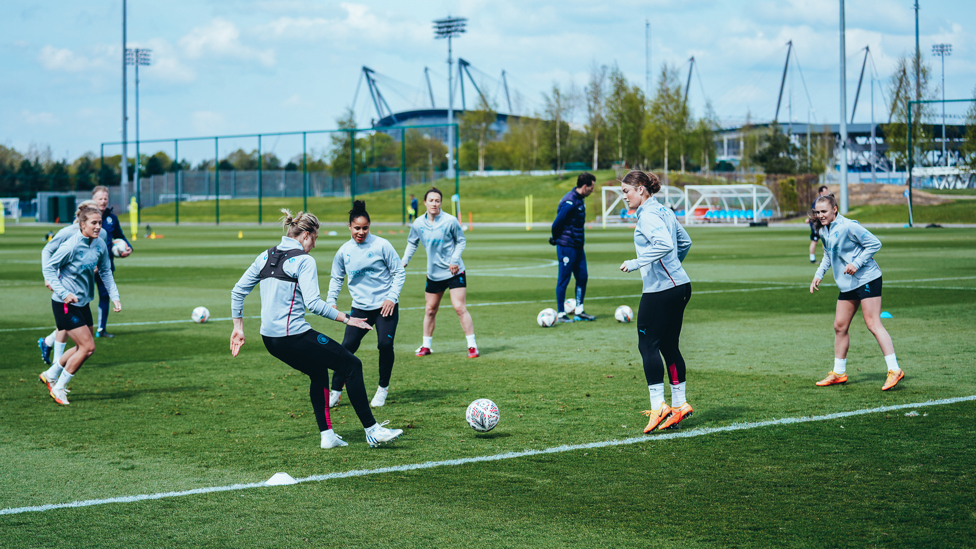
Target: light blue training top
{"x": 70, "y": 269}
{"x": 662, "y": 244}
{"x": 283, "y": 303}
{"x": 444, "y": 241}
{"x": 62, "y": 235}
{"x": 846, "y": 242}
{"x": 374, "y": 270}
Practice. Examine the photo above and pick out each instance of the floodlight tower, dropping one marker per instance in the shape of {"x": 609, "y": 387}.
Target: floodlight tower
{"x": 138, "y": 56}
{"x": 124, "y": 178}
{"x": 943, "y": 51}
{"x": 449, "y": 28}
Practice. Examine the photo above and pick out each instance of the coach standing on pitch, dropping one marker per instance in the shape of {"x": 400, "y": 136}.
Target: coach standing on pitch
{"x": 111, "y": 229}
{"x": 568, "y": 238}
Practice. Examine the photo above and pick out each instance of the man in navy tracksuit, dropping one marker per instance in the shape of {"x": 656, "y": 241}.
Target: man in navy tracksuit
{"x": 568, "y": 238}
{"x": 111, "y": 230}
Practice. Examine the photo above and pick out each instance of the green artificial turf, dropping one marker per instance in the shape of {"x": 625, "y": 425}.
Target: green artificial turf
{"x": 163, "y": 406}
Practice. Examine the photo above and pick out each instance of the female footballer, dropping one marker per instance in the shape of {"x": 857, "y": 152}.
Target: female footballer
{"x": 70, "y": 271}
{"x": 290, "y": 285}
{"x": 376, "y": 277}
{"x": 850, "y": 249}
{"x": 661, "y": 247}
{"x": 441, "y": 235}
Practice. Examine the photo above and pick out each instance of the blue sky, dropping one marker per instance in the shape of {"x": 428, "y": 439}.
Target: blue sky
{"x": 245, "y": 66}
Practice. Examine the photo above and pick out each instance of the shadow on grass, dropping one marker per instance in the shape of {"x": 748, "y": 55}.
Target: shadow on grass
{"x": 132, "y": 393}
{"x": 724, "y": 414}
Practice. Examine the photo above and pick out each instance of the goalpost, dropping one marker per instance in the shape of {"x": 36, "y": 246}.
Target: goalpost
{"x": 670, "y": 197}
{"x": 729, "y": 203}
{"x": 11, "y": 208}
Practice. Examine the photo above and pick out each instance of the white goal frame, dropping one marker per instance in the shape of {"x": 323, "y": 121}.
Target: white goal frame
{"x": 11, "y": 205}
{"x": 756, "y": 198}
{"x": 670, "y": 197}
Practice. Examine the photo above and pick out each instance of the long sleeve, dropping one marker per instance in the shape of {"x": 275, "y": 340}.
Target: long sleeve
{"x": 336, "y": 278}
{"x": 562, "y": 211}
{"x": 399, "y": 274}
{"x": 248, "y": 281}
{"x": 868, "y": 242}
{"x": 308, "y": 281}
{"x": 52, "y": 267}
{"x": 459, "y": 242}
{"x": 652, "y": 228}
{"x": 684, "y": 242}
{"x": 824, "y": 265}
{"x": 413, "y": 241}
{"x": 105, "y": 272}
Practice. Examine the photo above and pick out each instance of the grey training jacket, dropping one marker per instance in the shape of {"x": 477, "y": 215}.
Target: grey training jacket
{"x": 283, "y": 303}
{"x": 374, "y": 270}
{"x": 70, "y": 269}
{"x": 846, "y": 242}
{"x": 444, "y": 241}
{"x": 662, "y": 244}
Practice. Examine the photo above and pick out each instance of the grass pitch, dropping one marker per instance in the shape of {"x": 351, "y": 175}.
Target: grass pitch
{"x": 163, "y": 407}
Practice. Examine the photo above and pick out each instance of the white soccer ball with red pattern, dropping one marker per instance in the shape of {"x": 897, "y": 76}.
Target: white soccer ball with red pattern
{"x": 482, "y": 415}
{"x": 119, "y": 247}
{"x": 546, "y": 318}
{"x": 623, "y": 314}
{"x": 570, "y": 306}
{"x": 200, "y": 315}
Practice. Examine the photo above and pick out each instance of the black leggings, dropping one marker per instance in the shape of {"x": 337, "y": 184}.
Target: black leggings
{"x": 385, "y": 328}
{"x": 658, "y": 329}
{"x": 314, "y": 355}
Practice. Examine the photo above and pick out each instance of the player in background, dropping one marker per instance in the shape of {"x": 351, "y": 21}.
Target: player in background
{"x": 376, "y": 277}
{"x": 112, "y": 230}
{"x": 568, "y": 238}
{"x": 56, "y": 340}
{"x": 70, "y": 271}
{"x": 290, "y": 286}
{"x": 412, "y": 212}
{"x": 814, "y": 237}
{"x": 441, "y": 235}
{"x": 850, "y": 249}
{"x": 662, "y": 245}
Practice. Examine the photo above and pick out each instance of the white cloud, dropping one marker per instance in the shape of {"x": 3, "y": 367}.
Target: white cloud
{"x": 63, "y": 59}
{"x": 40, "y": 118}
{"x": 293, "y": 101}
{"x": 222, "y": 38}
{"x": 208, "y": 122}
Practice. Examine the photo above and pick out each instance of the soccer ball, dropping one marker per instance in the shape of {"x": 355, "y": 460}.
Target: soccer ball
{"x": 482, "y": 415}
{"x": 200, "y": 315}
{"x": 623, "y": 314}
{"x": 569, "y": 306}
{"x": 546, "y": 318}
{"x": 118, "y": 246}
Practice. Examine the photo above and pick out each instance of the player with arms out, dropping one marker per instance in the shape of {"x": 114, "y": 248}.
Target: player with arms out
{"x": 849, "y": 248}
{"x": 112, "y": 230}
{"x": 441, "y": 235}
{"x": 568, "y": 238}
{"x": 70, "y": 271}
{"x": 662, "y": 245}
{"x": 290, "y": 286}
{"x": 376, "y": 277}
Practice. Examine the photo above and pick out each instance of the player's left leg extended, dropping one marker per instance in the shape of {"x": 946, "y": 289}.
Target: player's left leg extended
{"x": 871, "y": 310}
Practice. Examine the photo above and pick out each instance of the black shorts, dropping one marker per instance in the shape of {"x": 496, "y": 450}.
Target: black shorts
{"x": 814, "y": 235}
{"x": 871, "y": 289}
{"x": 71, "y": 316}
{"x": 459, "y": 280}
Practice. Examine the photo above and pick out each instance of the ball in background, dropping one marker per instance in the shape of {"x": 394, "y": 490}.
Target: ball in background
{"x": 569, "y": 306}
{"x": 118, "y": 247}
{"x": 200, "y": 315}
{"x": 623, "y": 314}
{"x": 482, "y": 415}
{"x": 546, "y": 318}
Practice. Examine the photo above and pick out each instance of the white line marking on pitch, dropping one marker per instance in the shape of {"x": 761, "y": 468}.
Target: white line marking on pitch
{"x": 701, "y": 431}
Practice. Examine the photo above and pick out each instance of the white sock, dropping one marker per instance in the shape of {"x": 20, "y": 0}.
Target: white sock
{"x": 813, "y": 257}
{"x": 471, "y": 342}
{"x": 49, "y": 340}
{"x": 657, "y": 395}
{"x": 58, "y": 351}
{"x": 427, "y": 341}
{"x": 63, "y": 380}
{"x": 579, "y": 307}
{"x": 678, "y": 395}
{"x": 326, "y": 433}
{"x": 53, "y": 372}
{"x": 370, "y": 428}
{"x": 840, "y": 366}
{"x": 892, "y": 362}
